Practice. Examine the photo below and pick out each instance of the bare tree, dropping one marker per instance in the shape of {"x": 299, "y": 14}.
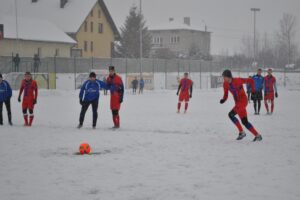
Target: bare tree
{"x": 286, "y": 36}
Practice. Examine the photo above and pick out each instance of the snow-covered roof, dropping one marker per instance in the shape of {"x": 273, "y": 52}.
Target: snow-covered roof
{"x": 174, "y": 25}
{"x": 33, "y": 29}
{"x": 69, "y": 18}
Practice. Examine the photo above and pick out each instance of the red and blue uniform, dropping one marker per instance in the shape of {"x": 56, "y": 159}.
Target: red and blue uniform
{"x": 116, "y": 87}
{"x": 185, "y": 87}
{"x": 241, "y": 101}
{"x": 270, "y": 90}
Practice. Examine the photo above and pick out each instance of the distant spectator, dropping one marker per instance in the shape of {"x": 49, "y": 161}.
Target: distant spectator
{"x": 142, "y": 85}
{"x": 16, "y": 60}
{"x": 104, "y": 89}
{"x": 36, "y": 63}
{"x": 134, "y": 85}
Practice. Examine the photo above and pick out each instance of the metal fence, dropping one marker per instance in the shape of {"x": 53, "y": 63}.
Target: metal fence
{"x": 165, "y": 72}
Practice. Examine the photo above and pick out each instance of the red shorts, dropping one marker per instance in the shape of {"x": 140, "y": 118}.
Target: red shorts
{"x": 240, "y": 110}
{"x": 269, "y": 96}
{"x": 115, "y": 102}
{"x": 27, "y": 104}
{"x": 184, "y": 97}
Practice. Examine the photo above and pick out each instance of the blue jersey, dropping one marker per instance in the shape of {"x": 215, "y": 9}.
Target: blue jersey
{"x": 5, "y": 91}
{"x": 258, "y": 82}
{"x": 90, "y": 90}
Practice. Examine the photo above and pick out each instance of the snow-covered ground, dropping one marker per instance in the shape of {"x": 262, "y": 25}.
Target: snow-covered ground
{"x": 156, "y": 155}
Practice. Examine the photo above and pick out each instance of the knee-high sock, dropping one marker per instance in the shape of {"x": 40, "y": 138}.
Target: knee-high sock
{"x": 237, "y": 123}
{"x": 272, "y": 106}
{"x": 26, "y": 119}
{"x": 251, "y": 129}
{"x": 186, "y": 106}
{"x": 178, "y": 105}
{"x": 267, "y": 106}
{"x": 31, "y": 117}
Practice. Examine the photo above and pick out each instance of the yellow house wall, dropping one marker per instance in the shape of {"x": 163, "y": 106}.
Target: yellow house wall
{"x": 102, "y": 41}
{"x": 27, "y": 48}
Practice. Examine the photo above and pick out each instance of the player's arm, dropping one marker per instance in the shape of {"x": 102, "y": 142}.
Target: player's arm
{"x": 191, "y": 90}
{"x": 9, "y": 90}
{"x": 121, "y": 90}
{"x": 179, "y": 87}
{"x": 81, "y": 93}
{"x": 275, "y": 88}
{"x": 35, "y": 92}
{"x": 102, "y": 84}
{"x": 249, "y": 81}
{"x": 21, "y": 91}
{"x": 225, "y": 96}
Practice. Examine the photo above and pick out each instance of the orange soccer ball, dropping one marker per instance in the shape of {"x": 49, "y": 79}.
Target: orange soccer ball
{"x": 84, "y": 149}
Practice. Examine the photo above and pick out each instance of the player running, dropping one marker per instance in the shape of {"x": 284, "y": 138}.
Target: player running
{"x": 235, "y": 86}
{"x": 115, "y": 84}
{"x": 270, "y": 89}
{"x": 30, "y": 89}
{"x": 89, "y": 95}
{"x": 185, "y": 91}
{"x": 257, "y": 96}
{"x": 5, "y": 96}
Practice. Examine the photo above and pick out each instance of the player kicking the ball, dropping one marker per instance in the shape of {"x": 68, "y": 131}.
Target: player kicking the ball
{"x": 29, "y": 89}
{"x": 235, "y": 86}
{"x": 115, "y": 84}
{"x": 185, "y": 90}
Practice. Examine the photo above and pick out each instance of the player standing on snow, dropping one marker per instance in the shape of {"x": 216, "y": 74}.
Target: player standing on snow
{"x": 235, "y": 86}
{"x": 89, "y": 95}
{"x": 115, "y": 84}
{"x": 270, "y": 89}
{"x": 30, "y": 89}
{"x": 257, "y": 96}
{"x": 5, "y": 95}
{"x": 185, "y": 91}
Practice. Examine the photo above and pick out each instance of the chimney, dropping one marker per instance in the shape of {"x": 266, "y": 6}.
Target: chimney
{"x": 187, "y": 21}
{"x": 171, "y": 19}
{"x": 34, "y": 1}
{"x": 63, "y": 3}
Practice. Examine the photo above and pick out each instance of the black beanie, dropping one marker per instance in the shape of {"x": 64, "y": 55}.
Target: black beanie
{"x": 227, "y": 73}
{"x": 111, "y": 68}
{"x": 92, "y": 75}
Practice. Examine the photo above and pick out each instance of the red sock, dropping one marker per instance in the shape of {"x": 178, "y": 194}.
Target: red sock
{"x": 31, "y": 117}
{"x": 114, "y": 120}
{"x": 118, "y": 121}
{"x": 239, "y": 126}
{"x": 272, "y": 106}
{"x": 186, "y": 106}
{"x": 26, "y": 119}
{"x": 178, "y": 105}
{"x": 253, "y": 131}
{"x": 267, "y": 107}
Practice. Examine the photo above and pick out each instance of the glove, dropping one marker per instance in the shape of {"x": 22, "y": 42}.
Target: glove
{"x": 191, "y": 95}
{"x": 121, "y": 100}
{"x": 80, "y": 102}
{"x": 276, "y": 94}
{"x": 19, "y": 99}
{"x": 34, "y": 101}
{"x": 222, "y": 101}
{"x": 177, "y": 93}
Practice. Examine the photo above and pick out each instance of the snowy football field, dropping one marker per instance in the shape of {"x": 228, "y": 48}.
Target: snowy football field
{"x": 156, "y": 155}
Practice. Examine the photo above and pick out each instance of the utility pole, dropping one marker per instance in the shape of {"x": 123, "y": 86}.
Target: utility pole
{"x": 141, "y": 41}
{"x": 254, "y": 10}
{"x": 17, "y": 26}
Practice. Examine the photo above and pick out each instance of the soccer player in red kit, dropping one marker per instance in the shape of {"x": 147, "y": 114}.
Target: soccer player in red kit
{"x": 115, "y": 85}
{"x": 185, "y": 91}
{"x": 235, "y": 86}
{"x": 29, "y": 89}
{"x": 270, "y": 90}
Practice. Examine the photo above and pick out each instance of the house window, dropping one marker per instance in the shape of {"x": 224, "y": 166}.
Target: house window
{"x": 85, "y": 26}
{"x": 100, "y": 28}
{"x": 157, "y": 40}
{"x": 92, "y": 46}
{"x": 175, "y": 39}
{"x": 85, "y": 46}
{"x": 99, "y": 13}
{"x": 92, "y": 26}
{"x": 92, "y": 13}
{"x": 56, "y": 52}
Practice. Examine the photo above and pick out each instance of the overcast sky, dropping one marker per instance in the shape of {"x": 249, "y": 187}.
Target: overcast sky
{"x": 229, "y": 20}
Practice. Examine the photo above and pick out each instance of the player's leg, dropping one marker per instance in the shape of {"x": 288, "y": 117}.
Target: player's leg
{"x": 180, "y": 100}
{"x": 25, "y": 115}
{"x": 235, "y": 120}
{"x": 266, "y": 104}
{"x": 272, "y": 106}
{"x": 255, "y": 105}
{"x": 8, "y": 108}
{"x": 1, "y": 113}
{"x": 31, "y": 116}
{"x": 95, "y": 104}
{"x": 84, "y": 108}
{"x": 116, "y": 118}
{"x": 186, "y": 99}
{"x": 243, "y": 116}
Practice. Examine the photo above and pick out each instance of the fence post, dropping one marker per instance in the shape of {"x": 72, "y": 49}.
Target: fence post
{"x": 126, "y": 70}
{"x": 55, "y": 72}
{"x": 200, "y": 72}
{"x": 75, "y": 72}
{"x": 178, "y": 65}
{"x": 166, "y": 79}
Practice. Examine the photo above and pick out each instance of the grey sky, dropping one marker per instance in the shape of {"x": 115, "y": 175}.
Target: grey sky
{"x": 229, "y": 20}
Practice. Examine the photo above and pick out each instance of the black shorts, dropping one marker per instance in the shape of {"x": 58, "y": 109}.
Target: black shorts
{"x": 257, "y": 96}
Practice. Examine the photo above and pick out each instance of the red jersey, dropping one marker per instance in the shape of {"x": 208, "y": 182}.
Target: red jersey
{"x": 185, "y": 84}
{"x": 116, "y": 88}
{"x": 30, "y": 90}
{"x": 237, "y": 90}
{"x": 269, "y": 84}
